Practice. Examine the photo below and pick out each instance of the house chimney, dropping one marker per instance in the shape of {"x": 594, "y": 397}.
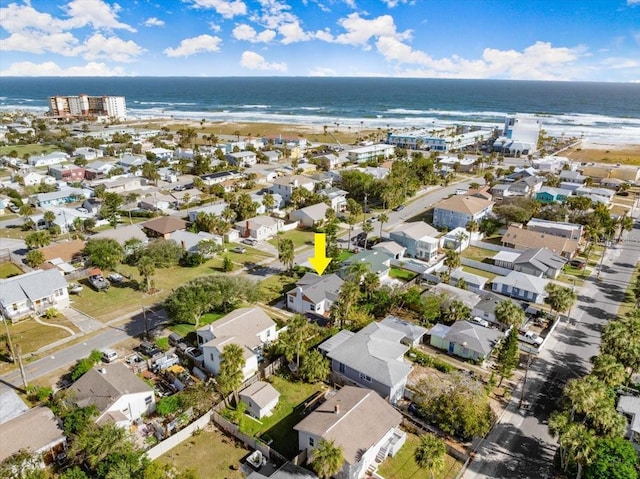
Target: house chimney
{"x": 336, "y": 408}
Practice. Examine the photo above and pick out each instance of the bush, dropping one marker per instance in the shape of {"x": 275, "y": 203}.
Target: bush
{"x": 425, "y": 360}
{"x": 85, "y": 364}
{"x": 168, "y": 405}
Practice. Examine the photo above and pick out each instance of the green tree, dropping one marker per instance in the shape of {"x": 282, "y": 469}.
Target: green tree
{"x": 296, "y": 339}
{"x": 37, "y": 239}
{"x": 34, "y": 258}
{"x": 232, "y": 363}
{"x": 560, "y": 298}
{"x": 49, "y": 216}
{"x": 510, "y": 314}
{"x": 95, "y": 444}
{"x": 104, "y": 253}
{"x": 621, "y": 339}
{"x": 146, "y": 268}
{"x": 508, "y": 355}
{"x": 111, "y": 203}
{"x": 327, "y": 459}
{"x": 366, "y": 229}
{"x": 382, "y": 219}
{"x": 85, "y": 364}
{"x": 163, "y": 253}
{"x": 315, "y": 367}
{"x": 452, "y": 260}
{"x": 455, "y": 310}
{"x": 625, "y": 223}
{"x": 22, "y": 465}
{"x": 615, "y": 458}
{"x": 430, "y": 454}
{"x": 608, "y": 370}
{"x": 74, "y": 473}
{"x": 286, "y": 253}
{"x": 150, "y": 172}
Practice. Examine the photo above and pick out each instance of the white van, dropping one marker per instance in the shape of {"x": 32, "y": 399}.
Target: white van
{"x": 109, "y": 355}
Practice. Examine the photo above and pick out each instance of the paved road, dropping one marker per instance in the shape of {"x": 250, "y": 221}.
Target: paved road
{"x": 520, "y": 445}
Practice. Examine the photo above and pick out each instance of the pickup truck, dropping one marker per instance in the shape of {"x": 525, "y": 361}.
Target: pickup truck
{"x": 530, "y": 337}
{"x": 97, "y": 281}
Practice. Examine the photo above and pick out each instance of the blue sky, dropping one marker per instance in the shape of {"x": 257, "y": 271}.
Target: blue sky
{"x": 595, "y": 40}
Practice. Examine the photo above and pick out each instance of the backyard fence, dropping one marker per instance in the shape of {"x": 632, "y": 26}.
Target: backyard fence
{"x": 472, "y": 263}
{"x": 172, "y": 441}
{"x": 494, "y": 247}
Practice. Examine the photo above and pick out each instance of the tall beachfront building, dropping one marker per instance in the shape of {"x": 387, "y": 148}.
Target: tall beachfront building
{"x": 113, "y": 107}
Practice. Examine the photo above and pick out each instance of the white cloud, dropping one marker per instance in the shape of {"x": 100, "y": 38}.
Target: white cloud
{"x": 226, "y": 8}
{"x": 621, "y": 63}
{"x": 360, "y": 30}
{"x": 248, "y": 33}
{"x": 96, "y": 13}
{"x": 395, "y": 3}
{"x": 253, "y": 61}
{"x": 191, "y": 46}
{"x": 51, "y": 69}
{"x": 19, "y": 18}
{"x": 33, "y": 41}
{"x": 393, "y": 49}
{"x": 633, "y": 2}
{"x": 112, "y": 48}
{"x": 214, "y": 27}
{"x": 322, "y": 72}
{"x": 292, "y": 32}
{"x": 153, "y": 22}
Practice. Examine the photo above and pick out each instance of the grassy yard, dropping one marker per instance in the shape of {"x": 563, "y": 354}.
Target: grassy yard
{"x": 249, "y": 257}
{"x": 274, "y": 287}
{"x": 31, "y": 149}
{"x": 13, "y": 233}
{"x": 344, "y": 255}
{"x": 288, "y": 412}
{"x": 184, "y": 328}
{"x": 479, "y": 272}
{"x": 126, "y": 298}
{"x": 627, "y": 156}
{"x": 629, "y": 300}
{"x": 7, "y": 270}
{"x": 573, "y": 276}
{"x": 402, "y": 274}
{"x": 210, "y": 453}
{"x": 298, "y": 236}
{"x": 32, "y": 336}
{"x": 477, "y": 254}
{"x": 403, "y": 465}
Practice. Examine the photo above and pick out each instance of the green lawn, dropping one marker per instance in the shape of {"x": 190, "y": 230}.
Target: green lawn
{"x": 276, "y": 286}
{"x": 210, "y": 453}
{"x": 402, "y": 274}
{"x": 32, "y": 336}
{"x": 477, "y": 254}
{"x": 7, "y": 270}
{"x": 403, "y": 465}
{"x": 250, "y": 257}
{"x": 185, "y": 328}
{"x": 126, "y": 298}
{"x": 479, "y": 272}
{"x": 298, "y": 236}
{"x": 629, "y": 299}
{"x": 344, "y": 255}
{"x": 288, "y": 412}
{"x": 31, "y": 149}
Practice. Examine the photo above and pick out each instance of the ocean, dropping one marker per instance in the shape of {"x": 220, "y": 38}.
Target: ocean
{"x": 607, "y": 113}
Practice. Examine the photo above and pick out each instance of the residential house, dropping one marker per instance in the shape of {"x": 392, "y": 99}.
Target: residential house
{"x": 419, "y": 239}
{"x": 261, "y": 398}
{"x": 396, "y": 250}
{"x": 337, "y": 198}
{"x": 37, "y": 431}
{"x": 462, "y": 165}
{"x": 378, "y": 263}
{"x": 60, "y": 197}
{"x": 120, "y": 396}
{"x": 249, "y": 328}
{"x": 97, "y": 170}
{"x": 157, "y": 202}
{"x": 124, "y": 184}
{"x": 457, "y": 239}
{"x": 539, "y": 262}
{"x": 310, "y": 216}
{"x": 527, "y": 186}
{"x": 629, "y": 174}
{"x": 453, "y": 293}
{"x": 613, "y": 183}
{"x": 371, "y": 358}
{"x": 68, "y": 173}
{"x": 35, "y": 179}
{"x": 220, "y": 177}
{"x": 629, "y": 406}
{"x": 330, "y": 161}
{"x": 214, "y": 209}
{"x": 33, "y": 293}
{"x": 53, "y": 158}
{"x": 551, "y": 164}
{"x": 466, "y": 340}
{"x": 413, "y": 333}
{"x": 547, "y": 195}
{"x": 192, "y": 194}
{"x": 131, "y": 161}
{"x": 161, "y": 153}
{"x": 163, "y": 226}
{"x": 359, "y": 422}
{"x": 523, "y": 239}
{"x": 190, "y": 242}
{"x": 314, "y": 294}
{"x": 12, "y": 404}
{"x": 501, "y": 191}
{"x": 273, "y": 156}
{"x": 486, "y": 308}
{"x": 87, "y": 153}
{"x": 259, "y": 227}
{"x": 575, "y": 177}
{"x": 287, "y": 471}
{"x": 123, "y": 233}
{"x": 285, "y": 185}
{"x": 458, "y": 210}
{"x": 521, "y": 286}
{"x": 472, "y": 282}
{"x": 377, "y": 172}
{"x": 242, "y": 158}
{"x": 597, "y": 195}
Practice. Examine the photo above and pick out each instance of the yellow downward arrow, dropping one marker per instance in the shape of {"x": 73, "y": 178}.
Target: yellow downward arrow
{"x": 320, "y": 261}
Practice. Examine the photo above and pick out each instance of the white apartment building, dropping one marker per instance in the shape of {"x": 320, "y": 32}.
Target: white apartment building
{"x": 84, "y": 106}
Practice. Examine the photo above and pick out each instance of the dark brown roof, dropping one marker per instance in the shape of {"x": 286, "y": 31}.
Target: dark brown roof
{"x": 165, "y": 225}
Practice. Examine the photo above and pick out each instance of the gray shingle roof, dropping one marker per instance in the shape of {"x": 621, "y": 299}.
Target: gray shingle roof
{"x": 411, "y": 331}
{"x": 523, "y": 281}
{"x": 542, "y": 259}
{"x": 262, "y": 393}
{"x": 472, "y": 336}
{"x": 34, "y": 430}
{"x": 376, "y": 351}
{"x": 33, "y": 286}
{"x": 318, "y": 288}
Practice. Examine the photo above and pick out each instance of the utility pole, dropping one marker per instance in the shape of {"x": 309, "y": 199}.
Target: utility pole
{"x": 529, "y": 362}
{"x": 22, "y": 373}
{"x": 146, "y": 325}
{"x": 12, "y": 355}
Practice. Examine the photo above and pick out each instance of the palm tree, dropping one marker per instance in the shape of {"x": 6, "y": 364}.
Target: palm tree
{"x": 608, "y": 370}
{"x": 356, "y": 270}
{"x": 286, "y": 253}
{"x": 461, "y": 237}
{"x": 25, "y": 211}
{"x": 49, "y": 217}
{"x": 383, "y": 218}
{"x": 430, "y": 454}
{"x": 347, "y": 298}
{"x": 452, "y": 260}
{"x": 327, "y": 459}
{"x": 559, "y": 298}
{"x": 294, "y": 338}
{"x": 96, "y": 443}
{"x": 580, "y": 444}
{"x": 366, "y": 229}
{"x": 509, "y": 313}
{"x": 147, "y": 268}
{"x": 626, "y": 224}
{"x": 586, "y": 395}
{"x": 232, "y": 363}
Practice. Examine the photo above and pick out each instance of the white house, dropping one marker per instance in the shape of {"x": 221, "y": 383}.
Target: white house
{"x": 361, "y": 423}
{"x": 242, "y": 158}
{"x": 261, "y": 399}
{"x": 34, "y": 179}
{"x": 53, "y": 158}
{"x": 33, "y": 293}
{"x": 120, "y": 396}
{"x": 419, "y": 239}
{"x": 249, "y": 328}
{"x": 314, "y": 293}
{"x": 337, "y": 198}
{"x": 285, "y": 185}
{"x": 365, "y": 153}
{"x": 310, "y": 216}
{"x": 87, "y": 153}
{"x": 259, "y": 227}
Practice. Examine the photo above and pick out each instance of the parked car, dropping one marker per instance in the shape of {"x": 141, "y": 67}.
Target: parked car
{"x": 174, "y": 339}
{"x": 578, "y": 263}
{"x": 97, "y": 281}
{"x": 480, "y": 321}
{"x": 530, "y": 337}
{"x": 250, "y": 241}
{"x": 115, "y": 278}
{"x": 194, "y": 354}
{"x": 75, "y": 288}
{"x": 80, "y": 209}
{"x": 109, "y": 355}
{"x": 239, "y": 249}
{"x": 399, "y": 208}
{"x": 13, "y": 208}
{"x": 149, "y": 349}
